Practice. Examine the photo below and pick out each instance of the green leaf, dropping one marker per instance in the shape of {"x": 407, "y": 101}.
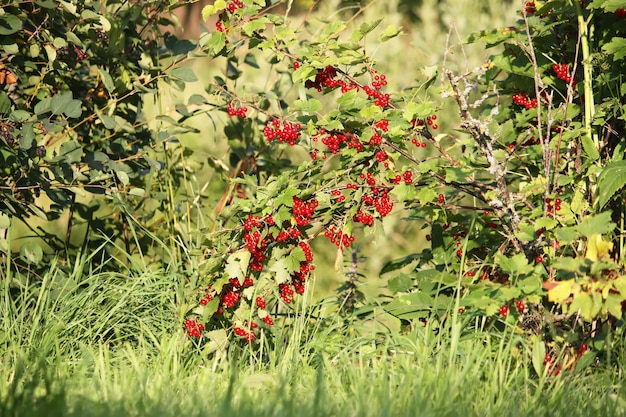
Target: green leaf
{"x": 279, "y": 267}
{"x": 310, "y": 106}
{"x": 399, "y": 263}
{"x": 292, "y": 261}
{"x": 538, "y": 356}
{"x": 106, "y": 80}
{"x": 584, "y": 304}
{"x": 28, "y": 136}
{"x": 43, "y": 106}
{"x": 216, "y": 43}
{"x": 31, "y": 253}
{"x": 418, "y": 110}
{"x": 9, "y": 24}
{"x": 410, "y": 306}
{"x": 5, "y": 221}
{"x": 70, "y": 152}
{"x": 598, "y": 224}
{"x": 516, "y": 264}
{"x": 566, "y": 234}
{"x": 286, "y": 198}
{"x": 611, "y": 180}
{"x": 237, "y": 264}
{"x": 390, "y": 32}
{"x": 255, "y": 25}
{"x": 210, "y": 10}
{"x": 616, "y": 47}
{"x": 184, "y": 73}
{"x": 590, "y": 148}
{"x": 401, "y": 283}
{"x": 404, "y": 192}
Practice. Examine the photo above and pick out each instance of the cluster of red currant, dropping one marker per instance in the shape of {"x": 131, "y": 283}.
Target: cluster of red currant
{"x": 247, "y": 335}
{"x": 286, "y": 132}
{"x": 523, "y": 100}
{"x": 553, "y": 368}
{"x": 562, "y": 72}
{"x": 407, "y": 176}
{"x": 193, "y": 328}
{"x": 338, "y": 238}
{"x": 303, "y": 210}
{"x": 236, "y": 111}
{"x": 552, "y": 207}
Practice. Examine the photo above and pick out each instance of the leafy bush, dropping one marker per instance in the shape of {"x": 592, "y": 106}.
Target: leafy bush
{"x": 75, "y": 144}
{"x": 521, "y": 201}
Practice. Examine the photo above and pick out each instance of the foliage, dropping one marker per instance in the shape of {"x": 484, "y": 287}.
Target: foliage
{"x": 521, "y": 206}
{"x": 76, "y": 148}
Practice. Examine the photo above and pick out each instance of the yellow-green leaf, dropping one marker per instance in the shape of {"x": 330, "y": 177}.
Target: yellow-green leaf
{"x": 559, "y": 291}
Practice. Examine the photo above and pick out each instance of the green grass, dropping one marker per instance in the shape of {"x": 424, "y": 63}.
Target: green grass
{"x": 105, "y": 346}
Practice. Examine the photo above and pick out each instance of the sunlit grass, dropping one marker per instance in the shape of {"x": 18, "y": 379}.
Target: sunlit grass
{"x": 92, "y": 347}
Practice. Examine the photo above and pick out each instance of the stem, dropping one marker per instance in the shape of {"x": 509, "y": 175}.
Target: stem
{"x": 586, "y": 33}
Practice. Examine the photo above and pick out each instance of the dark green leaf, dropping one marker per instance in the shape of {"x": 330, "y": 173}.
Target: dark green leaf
{"x": 9, "y": 24}
{"x": 399, "y": 263}
{"x": 5, "y": 103}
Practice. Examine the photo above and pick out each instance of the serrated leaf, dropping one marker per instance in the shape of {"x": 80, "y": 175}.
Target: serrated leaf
{"x": 279, "y": 267}
{"x": 566, "y": 234}
{"x": 390, "y": 32}
{"x": 217, "y": 341}
{"x": 598, "y": 224}
{"x": 615, "y": 47}
{"x": 410, "y": 306}
{"x": 404, "y": 192}
{"x": 516, "y": 264}
{"x": 292, "y": 261}
{"x": 210, "y": 10}
{"x": 310, "y": 106}
{"x": 237, "y": 264}
{"x": 583, "y": 304}
{"x": 255, "y": 25}
{"x": 611, "y": 180}
{"x": 286, "y": 197}
{"x": 613, "y": 305}
{"x": 401, "y": 283}
{"x": 546, "y": 223}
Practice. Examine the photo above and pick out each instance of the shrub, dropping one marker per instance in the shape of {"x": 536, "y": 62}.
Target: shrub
{"x": 520, "y": 202}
